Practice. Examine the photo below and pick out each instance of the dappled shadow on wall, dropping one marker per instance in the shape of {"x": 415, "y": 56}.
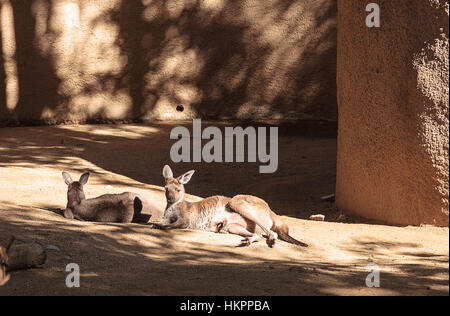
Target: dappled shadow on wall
{"x": 81, "y": 60}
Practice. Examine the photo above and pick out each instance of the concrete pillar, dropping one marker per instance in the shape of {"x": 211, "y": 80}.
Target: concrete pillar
{"x": 393, "y": 111}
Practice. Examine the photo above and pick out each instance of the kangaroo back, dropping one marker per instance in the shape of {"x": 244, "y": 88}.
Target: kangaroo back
{"x": 117, "y": 208}
{"x": 114, "y": 208}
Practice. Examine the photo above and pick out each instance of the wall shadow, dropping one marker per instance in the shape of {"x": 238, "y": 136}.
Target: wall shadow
{"x": 38, "y": 82}
{"x": 220, "y": 65}
{"x": 4, "y": 115}
{"x": 217, "y": 60}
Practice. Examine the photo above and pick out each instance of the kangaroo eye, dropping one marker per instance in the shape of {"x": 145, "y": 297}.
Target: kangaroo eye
{"x": 178, "y": 190}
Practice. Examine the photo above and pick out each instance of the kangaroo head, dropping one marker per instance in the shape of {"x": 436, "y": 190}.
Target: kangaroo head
{"x": 75, "y": 191}
{"x": 175, "y": 186}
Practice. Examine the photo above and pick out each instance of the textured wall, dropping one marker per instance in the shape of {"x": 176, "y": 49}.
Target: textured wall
{"x": 77, "y": 60}
{"x": 393, "y": 112}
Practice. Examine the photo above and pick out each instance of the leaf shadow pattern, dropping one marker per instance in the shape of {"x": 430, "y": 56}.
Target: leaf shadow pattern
{"x": 140, "y": 151}
{"x": 132, "y": 61}
{"x": 133, "y": 259}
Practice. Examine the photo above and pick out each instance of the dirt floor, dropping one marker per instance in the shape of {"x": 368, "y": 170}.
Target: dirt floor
{"x": 132, "y": 259}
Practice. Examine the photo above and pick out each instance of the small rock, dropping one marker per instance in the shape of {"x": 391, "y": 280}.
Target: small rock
{"x": 298, "y": 269}
{"x": 328, "y": 198}
{"x": 51, "y": 247}
{"x": 341, "y": 218}
{"x": 317, "y": 217}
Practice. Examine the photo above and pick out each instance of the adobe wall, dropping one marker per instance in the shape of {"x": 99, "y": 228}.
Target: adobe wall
{"x": 393, "y": 102}
{"x": 81, "y": 60}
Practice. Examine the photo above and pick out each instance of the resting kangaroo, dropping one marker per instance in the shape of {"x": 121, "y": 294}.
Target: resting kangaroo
{"x": 243, "y": 215}
{"x": 115, "y": 208}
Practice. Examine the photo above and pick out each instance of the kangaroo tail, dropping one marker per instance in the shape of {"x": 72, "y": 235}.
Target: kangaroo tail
{"x": 285, "y": 237}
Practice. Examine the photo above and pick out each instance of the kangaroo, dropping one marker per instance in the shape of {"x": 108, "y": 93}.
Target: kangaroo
{"x": 244, "y": 215}
{"x": 114, "y": 208}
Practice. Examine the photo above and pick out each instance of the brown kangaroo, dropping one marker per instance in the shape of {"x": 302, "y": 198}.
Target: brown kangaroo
{"x": 244, "y": 215}
{"x": 114, "y": 208}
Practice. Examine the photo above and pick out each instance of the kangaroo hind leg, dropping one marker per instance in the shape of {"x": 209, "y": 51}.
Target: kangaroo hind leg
{"x": 257, "y": 211}
{"x": 240, "y": 230}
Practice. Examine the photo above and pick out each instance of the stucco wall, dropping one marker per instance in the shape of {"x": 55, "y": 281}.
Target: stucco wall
{"x": 78, "y": 60}
{"x": 393, "y": 112}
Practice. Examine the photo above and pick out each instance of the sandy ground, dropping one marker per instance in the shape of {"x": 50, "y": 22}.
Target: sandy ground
{"x": 137, "y": 260}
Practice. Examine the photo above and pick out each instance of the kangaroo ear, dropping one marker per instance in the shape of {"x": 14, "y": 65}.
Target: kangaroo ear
{"x": 186, "y": 177}
{"x": 84, "y": 178}
{"x": 167, "y": 172}
{"x": 67, "y": 179}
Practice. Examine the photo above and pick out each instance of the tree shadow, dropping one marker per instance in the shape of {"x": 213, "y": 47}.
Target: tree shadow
{"x": 38, "y": 81}
{"x": 4, "y": 115}
{"x": 406, "y": 259}
{"x": 140, "y": 151}
{"x": 118, "y": 259}
{"x": 220, "y": 71}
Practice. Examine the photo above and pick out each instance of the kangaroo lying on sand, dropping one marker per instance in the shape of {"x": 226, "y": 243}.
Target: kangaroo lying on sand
{"x": 243, "y": 215}
{"x": 115, "y": 208}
